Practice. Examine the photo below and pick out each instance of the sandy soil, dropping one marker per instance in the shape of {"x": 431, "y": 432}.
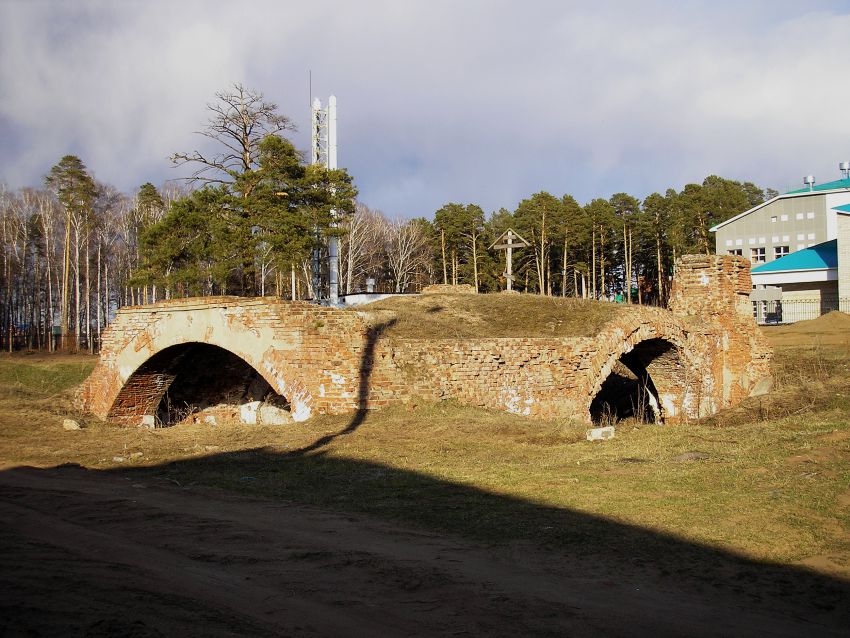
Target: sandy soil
{"x": 831, "y": 329}
{"x": 87, "y": 553}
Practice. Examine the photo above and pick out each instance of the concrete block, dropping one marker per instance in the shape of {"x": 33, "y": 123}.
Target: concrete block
{"x": 272, "y": 415}
{"x": 601, "y": 434}
{"x": 248, "y": 412}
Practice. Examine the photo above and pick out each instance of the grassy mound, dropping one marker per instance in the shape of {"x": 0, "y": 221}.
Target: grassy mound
{"x": 457, "y": 316}
{"x": 834, "y": 321}
{"x": 832, "y": 328}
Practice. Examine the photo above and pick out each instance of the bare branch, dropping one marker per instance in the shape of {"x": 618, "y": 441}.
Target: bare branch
{"x": 239, "y": 120}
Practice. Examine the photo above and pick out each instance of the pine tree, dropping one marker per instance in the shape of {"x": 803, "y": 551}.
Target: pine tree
{"x": 76, "y": 191}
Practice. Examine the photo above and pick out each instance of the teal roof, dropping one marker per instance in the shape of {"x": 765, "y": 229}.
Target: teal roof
{"x": 828, "y": 186}
{"x": 823, "y": 255}
{"x": 844, "y": 209}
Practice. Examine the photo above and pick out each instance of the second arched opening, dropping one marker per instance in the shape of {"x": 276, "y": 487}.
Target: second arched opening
{"x": 644, "y": 384}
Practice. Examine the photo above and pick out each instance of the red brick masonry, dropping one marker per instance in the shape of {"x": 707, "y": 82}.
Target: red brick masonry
{"x": 705, "y": 354}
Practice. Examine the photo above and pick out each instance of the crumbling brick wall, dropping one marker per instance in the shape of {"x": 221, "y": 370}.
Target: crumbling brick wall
{"x": 705, "y": 355}
{"x": 309, "y": 354}
{"x": 449, "y": 289}
{"x": 710, "y": 296}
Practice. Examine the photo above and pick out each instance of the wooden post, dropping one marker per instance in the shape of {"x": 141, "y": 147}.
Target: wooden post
{"x": 509, "y": 271}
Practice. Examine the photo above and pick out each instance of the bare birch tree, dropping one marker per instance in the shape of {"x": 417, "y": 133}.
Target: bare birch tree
{"x": 360, "y": 246}
{"x": 407, "y": 250}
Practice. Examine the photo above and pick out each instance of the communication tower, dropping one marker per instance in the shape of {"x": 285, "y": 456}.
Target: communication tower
{"x": 323, "y": 152}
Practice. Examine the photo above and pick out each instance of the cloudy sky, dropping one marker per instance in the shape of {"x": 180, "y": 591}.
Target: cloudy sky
{"x": 484, "y": 101}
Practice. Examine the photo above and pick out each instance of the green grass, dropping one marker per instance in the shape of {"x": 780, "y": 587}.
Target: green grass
{"x": 42, "y": 377}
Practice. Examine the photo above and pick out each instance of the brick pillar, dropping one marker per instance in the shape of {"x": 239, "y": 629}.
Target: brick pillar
{"x": 710, "y": 285}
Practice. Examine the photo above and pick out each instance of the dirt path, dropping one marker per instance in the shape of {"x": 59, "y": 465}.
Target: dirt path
{"x": 87, "y": 553}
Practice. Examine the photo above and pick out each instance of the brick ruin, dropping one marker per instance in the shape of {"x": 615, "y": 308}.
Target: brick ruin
{"x": 165, "y": 361}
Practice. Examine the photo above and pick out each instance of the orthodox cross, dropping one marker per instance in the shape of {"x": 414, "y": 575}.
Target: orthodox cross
{"x": 507, "y": 241}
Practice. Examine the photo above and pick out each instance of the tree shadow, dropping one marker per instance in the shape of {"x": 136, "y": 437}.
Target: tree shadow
{"x": 367, "y": 361}
{"x": 642, "y": 566}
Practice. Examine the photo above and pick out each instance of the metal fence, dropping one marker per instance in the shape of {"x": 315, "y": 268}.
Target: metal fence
{"x": 792, "y": 310}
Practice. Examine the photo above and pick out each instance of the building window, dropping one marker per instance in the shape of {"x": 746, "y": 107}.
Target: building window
{"x": 751, "y": 241}
{"x": 757, "y": 255}
{"x": 780, "y": 251}
{"x": 739, "y": 242}
{"x": 784, "y": 218}
{"x": 773, "y": 219}
{"x": 801, "y": 236}
{"x": 811, "y": 236}
{"x": 810, "y": 215}
{"x": 728, "y": 242}
{"x": 799, "y": 216}
{"x": 785, "y": 238}
{"x": 775, "y": 239}
{"x": 736, "y": 251}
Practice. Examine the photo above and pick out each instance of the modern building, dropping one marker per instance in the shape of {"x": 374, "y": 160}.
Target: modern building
{"x": 794, "y": 243}
{"x": 802, "y": 285}
{"x": 785, "y": 224}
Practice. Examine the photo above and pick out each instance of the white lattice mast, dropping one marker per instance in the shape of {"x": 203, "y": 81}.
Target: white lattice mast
{"x": 323, "y": 150}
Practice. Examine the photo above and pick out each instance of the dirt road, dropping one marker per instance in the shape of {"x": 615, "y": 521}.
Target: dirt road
{"x": 105, "y": 553}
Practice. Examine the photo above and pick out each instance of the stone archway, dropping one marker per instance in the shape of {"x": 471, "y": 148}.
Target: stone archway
{"x": 646, "y": 370}
{"x": 144, "y": 345}
{"x": 648, "y": 382}
{"x": 191, "y": 378}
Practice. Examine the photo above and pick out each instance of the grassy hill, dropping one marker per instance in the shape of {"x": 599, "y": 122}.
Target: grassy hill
{"x": 459, "y": 316}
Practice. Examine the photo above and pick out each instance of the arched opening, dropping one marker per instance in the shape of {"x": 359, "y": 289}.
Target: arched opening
{"x": 199, "y": 382}
{"x": 631, "y": 389}
{"x": 624, "y": 395}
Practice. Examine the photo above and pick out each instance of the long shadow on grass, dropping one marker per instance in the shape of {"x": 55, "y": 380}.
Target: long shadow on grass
{"x": 367, "y": 360}
{"x": 736, "y": 590}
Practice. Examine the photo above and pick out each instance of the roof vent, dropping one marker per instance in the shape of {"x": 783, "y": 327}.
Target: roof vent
{"x": 844, "y": 167}
{"x": 809, "y": 180}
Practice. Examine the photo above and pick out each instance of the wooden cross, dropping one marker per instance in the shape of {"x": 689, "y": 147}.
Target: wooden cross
{"x": 507, "y": 241}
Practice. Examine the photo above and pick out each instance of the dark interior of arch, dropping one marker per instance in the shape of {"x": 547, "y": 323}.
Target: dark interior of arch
{"x": 196, "y": 376}
{"x": 629, "y": 391}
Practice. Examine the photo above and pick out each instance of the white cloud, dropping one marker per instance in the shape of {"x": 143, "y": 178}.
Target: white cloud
{"x": 439, "y": 101}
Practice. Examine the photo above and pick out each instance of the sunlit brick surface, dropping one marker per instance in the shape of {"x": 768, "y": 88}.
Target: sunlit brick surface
{"x": 703, "y": 355}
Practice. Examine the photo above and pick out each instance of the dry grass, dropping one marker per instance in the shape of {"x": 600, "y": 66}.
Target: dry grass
{"x": 829, "y": 331}
{"x": 447, "y": 316}
{"x": 773, "y": 485}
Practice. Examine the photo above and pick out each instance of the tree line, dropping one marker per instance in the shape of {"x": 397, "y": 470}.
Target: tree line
{"x": 621, "y": 247}
{"x": 254, "y": 217}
